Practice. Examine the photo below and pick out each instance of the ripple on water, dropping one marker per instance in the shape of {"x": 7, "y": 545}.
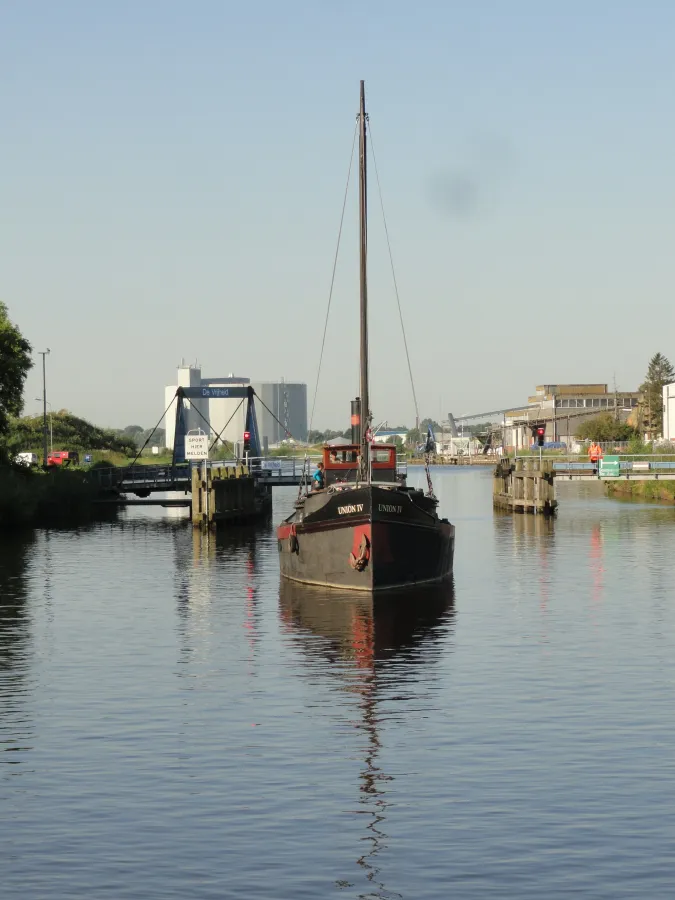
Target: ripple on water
{"x": 174, "y": 723}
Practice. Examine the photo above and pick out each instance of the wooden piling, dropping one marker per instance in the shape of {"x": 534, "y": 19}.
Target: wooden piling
{"x": 525, "y": 485}
{"x": 227, "y": 494}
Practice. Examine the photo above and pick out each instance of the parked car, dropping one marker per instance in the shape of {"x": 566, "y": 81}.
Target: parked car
{"x": 63, "y": 458}
{"x": 26, "y": 459}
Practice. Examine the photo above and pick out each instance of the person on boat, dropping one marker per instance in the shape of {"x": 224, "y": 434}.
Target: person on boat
{"x": 333, "y": 456}
{"x": 318, "y": 478}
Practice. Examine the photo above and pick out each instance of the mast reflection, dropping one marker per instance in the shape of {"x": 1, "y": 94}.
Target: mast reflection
{"x": 373, "y": 642}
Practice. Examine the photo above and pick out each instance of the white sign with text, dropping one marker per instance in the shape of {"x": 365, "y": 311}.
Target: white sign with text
{"x": 196, "y": 446}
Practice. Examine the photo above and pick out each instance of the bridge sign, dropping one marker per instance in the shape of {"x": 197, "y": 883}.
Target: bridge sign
{"x": 196, "y": 446}
{"x": 610, "y": 467}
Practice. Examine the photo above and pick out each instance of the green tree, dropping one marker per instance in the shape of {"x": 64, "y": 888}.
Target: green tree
{"x": 659, "y": 373}
{"x": 604, "y": 428}
{"x": 70, "y": 433}
{"x": 413, "y": 437}
{"x": 15, "y": 363}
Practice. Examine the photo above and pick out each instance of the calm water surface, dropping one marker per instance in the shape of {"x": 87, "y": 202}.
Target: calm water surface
{"x": 175, "y": 725}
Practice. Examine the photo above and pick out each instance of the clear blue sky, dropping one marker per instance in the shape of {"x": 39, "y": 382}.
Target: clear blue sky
{"x": 171, "y": 177}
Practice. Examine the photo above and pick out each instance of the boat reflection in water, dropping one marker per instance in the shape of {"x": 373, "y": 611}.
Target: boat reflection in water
{"x": 375, "y": 642}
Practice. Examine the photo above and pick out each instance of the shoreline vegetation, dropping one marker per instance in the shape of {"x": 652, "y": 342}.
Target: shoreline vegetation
{"x": 644, "y": 491}
{"x": 36, "y": 499}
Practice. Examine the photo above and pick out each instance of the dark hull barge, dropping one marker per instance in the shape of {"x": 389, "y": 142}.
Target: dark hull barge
{"x": 366, "y": 538}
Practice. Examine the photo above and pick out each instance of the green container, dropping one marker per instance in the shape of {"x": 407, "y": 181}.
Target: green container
{"x": 609, "y": 467}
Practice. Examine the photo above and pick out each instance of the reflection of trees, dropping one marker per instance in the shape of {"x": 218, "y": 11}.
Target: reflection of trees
{"x": 384, "y": 639}
{"x": 14, "y": 638}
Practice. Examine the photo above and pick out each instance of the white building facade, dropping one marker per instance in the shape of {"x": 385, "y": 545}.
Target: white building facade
{"x": 669, "y": 412}
{"x": 286, "y": 401}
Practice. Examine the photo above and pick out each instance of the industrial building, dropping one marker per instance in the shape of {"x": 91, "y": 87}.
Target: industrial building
{"x": 561, "y": 408}
{"x": 286, "y": 401}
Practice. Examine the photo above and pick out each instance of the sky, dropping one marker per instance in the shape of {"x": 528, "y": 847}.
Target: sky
{"x": 172, "y": 177}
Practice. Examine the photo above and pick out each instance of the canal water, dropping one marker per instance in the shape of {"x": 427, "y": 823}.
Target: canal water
{"x": 173, "y": 725}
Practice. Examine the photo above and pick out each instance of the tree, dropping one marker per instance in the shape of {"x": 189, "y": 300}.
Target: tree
{"x": 659, "y": 373}
{"x": 413, "y": 437}
{"x": 70, "y": 433}
{"x": 15, "y": 363}
{"x": 425, "y": 423}
{"x": 604, "y": 428}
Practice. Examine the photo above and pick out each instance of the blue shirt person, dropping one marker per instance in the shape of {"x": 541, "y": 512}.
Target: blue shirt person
{"x": 318, "y": 478}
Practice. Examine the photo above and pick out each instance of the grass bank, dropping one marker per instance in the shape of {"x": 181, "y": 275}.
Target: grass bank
{"x": 655, "y": 491}
{"x": 58, "y": 497}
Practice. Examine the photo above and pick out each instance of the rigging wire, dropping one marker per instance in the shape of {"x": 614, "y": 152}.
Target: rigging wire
{"x": 218, "y": 438}
{"x": 398, "y": 301}
{"x": 147, "y": 440}
{"x": 305, "y": 466}
{"x": 332, "y": 281}
{"x": 393, "y": 273}
{"x": 262, "y": 403}
{"x": 210, "y": 426}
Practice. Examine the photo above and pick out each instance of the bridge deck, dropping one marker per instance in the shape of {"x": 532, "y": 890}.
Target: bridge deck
{"x": 150, "y": 479}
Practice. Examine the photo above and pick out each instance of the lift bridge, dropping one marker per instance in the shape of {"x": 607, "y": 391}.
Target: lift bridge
{"x": 143, "y": 480}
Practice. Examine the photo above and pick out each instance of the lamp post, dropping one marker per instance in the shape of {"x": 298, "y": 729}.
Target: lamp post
{"x": 51, "y": 424}
{"x": 43, "y": 354}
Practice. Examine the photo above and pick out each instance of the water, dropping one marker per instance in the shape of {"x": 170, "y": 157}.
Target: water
{"x": 174, "y": 726}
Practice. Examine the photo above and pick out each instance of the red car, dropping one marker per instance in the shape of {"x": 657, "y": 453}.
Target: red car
{"x": 63, "y": 458}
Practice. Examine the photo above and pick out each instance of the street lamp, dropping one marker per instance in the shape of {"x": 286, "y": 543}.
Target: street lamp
{"x": 51, "y": 423}
{"x": 43, "y": 354}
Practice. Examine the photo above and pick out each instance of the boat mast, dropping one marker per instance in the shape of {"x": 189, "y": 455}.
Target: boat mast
{"x": 363, "y": 248}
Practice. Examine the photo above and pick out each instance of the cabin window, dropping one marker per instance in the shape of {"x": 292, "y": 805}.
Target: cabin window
{"x": 380, "y": 456}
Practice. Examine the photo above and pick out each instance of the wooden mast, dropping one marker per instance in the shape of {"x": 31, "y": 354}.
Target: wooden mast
{"x": 363, "y": 249}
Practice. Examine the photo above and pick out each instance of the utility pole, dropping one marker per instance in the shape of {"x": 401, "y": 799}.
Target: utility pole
{"x": 44, "y": 353}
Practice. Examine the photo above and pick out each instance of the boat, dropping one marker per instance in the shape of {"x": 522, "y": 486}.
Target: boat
{"x": 363, "y": 528}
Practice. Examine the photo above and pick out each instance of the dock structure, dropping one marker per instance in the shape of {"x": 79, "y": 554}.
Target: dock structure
{"x": 227, "y": 494}
{"x": 525, "y": 486}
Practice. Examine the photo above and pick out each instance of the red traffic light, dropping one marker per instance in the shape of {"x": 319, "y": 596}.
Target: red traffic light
{"x": 541, "y": 431}
{"x": 247, "y": 435}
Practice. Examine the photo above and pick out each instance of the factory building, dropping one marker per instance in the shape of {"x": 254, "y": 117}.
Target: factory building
{"x": 286, "y": 401}
{"x": 561, "y": 408}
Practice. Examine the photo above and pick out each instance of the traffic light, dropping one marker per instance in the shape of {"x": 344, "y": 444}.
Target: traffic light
{"x": 247, "y": 442}
{"x": 541, "y": 434}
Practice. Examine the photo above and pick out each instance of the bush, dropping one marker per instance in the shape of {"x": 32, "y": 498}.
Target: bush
{"x": 605, "y": 428}
{"x": 69, "y": 433}
{"x": 40, "y": 498}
